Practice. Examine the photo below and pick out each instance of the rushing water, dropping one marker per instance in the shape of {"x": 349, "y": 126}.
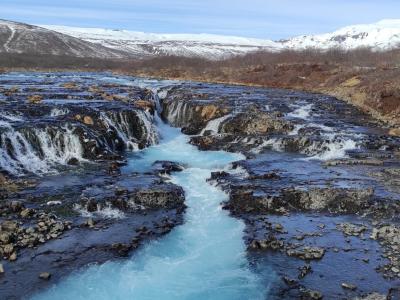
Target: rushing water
{"x": 203, "y": 259}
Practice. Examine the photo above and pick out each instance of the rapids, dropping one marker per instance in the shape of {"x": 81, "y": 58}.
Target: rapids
{"x": 204, "y": 258}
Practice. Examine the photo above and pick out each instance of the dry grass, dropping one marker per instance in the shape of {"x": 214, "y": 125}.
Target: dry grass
{"x": 367, "y": 79}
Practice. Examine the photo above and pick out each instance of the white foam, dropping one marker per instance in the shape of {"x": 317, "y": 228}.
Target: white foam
{"x": 107, "y": 212}
{"x": 11, "y": 117}
{"x": 18, "y": 156}
{"x": 272, "y": 143}
{"x": 302, "y": 112}
{"x": 297, "y": 128}
{"x": 122, "y": 128}
{"x": 55, "y": 112}
{"x": 214, "y": 125}
{"x": 335, "y": 147}
{"x": 148, "y": 123}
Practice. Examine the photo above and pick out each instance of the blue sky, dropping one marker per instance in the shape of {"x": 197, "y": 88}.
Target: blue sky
{"x": 274, "y": 19}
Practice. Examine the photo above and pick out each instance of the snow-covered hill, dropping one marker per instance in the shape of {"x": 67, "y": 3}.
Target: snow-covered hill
{"x": 108, "y": 43}
{"x": 20, "y": 38}
{"x": 143, "y": 44}
{"x": 383, "y": 35}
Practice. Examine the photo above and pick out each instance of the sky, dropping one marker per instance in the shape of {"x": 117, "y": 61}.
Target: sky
{"x": 269, "y": 19}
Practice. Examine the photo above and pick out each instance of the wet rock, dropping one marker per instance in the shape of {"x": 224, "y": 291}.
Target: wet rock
{"x": 349, "y": 286}
{"x": 394, "y": 132}
{"x": 289, "y": 281}
{"x": 16, "y": 206}
{"x": 5, "y": 237}
{"x": 373, "y": 296}
{"x": 159, "y": 198}
{"x": 270, "y": 243}
{"x": 307, "y": 253}
{"x": 304, "y": 271}
{"x": 45, "y": 276}
{"x": 1, "y": 269}
{"x": 88, "y": 120}
{"x": 9, "y": 226}
{"x": 355, "y": 162}
{"x": 387, "y": 233}
{"x": 69, "y": 85}
{"x": 122, "y": 249}
{"x": 145, "y": 105}
{"x": 168, "y": 167}
{"x": 256, "y": 122}
{"x": 91, "y": 205}
{"x": 26, "y": 213}
{"x": 244, "y": 201}
{"x": 73, "y": 161}
{"x": 266, "y": 176}
{"x": 394, "y": 294}
{"x": 311, "y": 295}
{"x": 389, "y": 238}
{"x": 13, "y": 256}
{"x": 351, "y": 229}
{"x": 329, "y": 199}
{"x": 35, "y": 99}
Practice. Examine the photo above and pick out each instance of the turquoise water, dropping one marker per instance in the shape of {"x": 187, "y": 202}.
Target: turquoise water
{"x": 202, "y": 259}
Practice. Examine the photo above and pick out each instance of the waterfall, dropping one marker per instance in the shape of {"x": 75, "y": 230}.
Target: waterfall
{"x": 37, "y": 150}
{"x": 151, "y": 130}
{"x": 214, "y": 125}
{"x": 119, "y": 123}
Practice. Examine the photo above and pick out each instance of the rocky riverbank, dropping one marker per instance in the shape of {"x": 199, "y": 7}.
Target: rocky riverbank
{"x": 318, "y": 190}
{"x": 314, "y": 191}
{"x": 65, "y": 203}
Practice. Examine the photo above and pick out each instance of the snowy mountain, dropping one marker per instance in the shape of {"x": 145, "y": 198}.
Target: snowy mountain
{"x": 20, "y": 38}
{"x": 142, "y": 44}
{"x": 108, "y": 43}
{"x": 383, "y": 35}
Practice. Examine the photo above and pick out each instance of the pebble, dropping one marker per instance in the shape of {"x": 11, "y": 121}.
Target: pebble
{"x": 349, "y": 286}
{"x": 45, "y": 276}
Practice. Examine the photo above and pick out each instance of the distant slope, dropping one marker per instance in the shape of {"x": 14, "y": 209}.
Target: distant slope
{"x": 187, "y": 45}
{"x": 383, "y": 35}
{"x": 20, "y": 38}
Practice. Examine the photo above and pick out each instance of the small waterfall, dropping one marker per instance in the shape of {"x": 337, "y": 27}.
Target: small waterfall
{"x": 151, "y": 131}
{"x": 333, "y": 148}
{"x": 37, "y": 150}
{"x": 302, "y": 112}
{"x": 119, "y": 123}
{"x": 214, "y": 125}
{"x": 179, "y": 113}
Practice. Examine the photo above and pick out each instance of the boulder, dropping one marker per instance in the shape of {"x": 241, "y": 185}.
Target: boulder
{"x": 307, "y": 253}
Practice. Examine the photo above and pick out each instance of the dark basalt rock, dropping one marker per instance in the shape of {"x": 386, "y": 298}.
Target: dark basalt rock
{"x": 156, "y": 198}
{"x": 333, "y": 200}
{"x": 256, "y": 122}
{"x": 167, "y": 167}
{"x": 329, "y": 199}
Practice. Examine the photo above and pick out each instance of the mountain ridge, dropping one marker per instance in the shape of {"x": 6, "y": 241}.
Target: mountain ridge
{"x": 21, "y": 38}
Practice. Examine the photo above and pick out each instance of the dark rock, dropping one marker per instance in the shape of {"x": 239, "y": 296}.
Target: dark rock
{"x": 311, "y": 295}
{"x": 45, "y": 276}
{"x": 159, "y": 198}
{"x": 349, "y": 286}
{"x": 307, "y": 253}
